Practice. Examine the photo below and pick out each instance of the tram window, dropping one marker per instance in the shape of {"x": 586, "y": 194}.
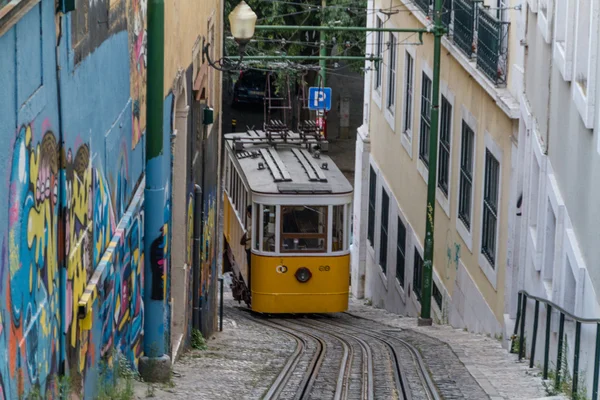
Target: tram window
{"x": 337, "y": 229}
{"x": 268, "y": 228}
{"x": 304, "y": 228}
{"x": 256, "y": 226}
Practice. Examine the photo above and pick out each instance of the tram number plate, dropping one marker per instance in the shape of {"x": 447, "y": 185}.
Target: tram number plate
{"x": 324, "y": 268}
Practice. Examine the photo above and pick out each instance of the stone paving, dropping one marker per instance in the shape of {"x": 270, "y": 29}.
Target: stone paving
{"x": 243, "y": 360}
{"x": 498, "y": 372}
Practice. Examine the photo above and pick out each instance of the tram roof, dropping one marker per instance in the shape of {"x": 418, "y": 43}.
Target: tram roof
{"x": 288, "y": 168}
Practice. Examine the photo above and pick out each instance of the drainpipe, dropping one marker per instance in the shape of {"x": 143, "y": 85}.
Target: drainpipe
{"x": 61, "y": 202}
{"x": 196, "y": 262}
{"x": 155, "y": 365}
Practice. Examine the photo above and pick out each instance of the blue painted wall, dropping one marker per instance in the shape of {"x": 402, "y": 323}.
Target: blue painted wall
{"x": 71, "y": 217}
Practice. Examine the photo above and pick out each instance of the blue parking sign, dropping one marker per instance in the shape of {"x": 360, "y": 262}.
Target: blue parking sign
{"x": 319, "y": 98}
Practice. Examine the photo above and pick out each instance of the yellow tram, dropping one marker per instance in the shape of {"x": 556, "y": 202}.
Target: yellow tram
{"x": 298, "y": 231}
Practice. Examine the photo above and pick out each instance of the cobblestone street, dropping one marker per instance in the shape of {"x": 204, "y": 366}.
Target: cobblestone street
{"x": 246, "y": 359}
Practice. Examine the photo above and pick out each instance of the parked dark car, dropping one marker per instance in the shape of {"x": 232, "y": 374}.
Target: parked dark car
{"x": 250, "y": 87}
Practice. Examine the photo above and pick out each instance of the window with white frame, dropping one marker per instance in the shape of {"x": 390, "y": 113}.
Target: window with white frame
{"x": 400, "y": 253}
{"x": 564, "y": 36}
{"x": 444, "y": 146}
{"x": 391, "y": 84}
{"x": 584, "y": 93}
{"x": 425, "y": 119}
{"x": 583, "y": 30}
{"x": 466, "y": 175}
{"x": 408, "y": 93}
{"x": 379, "y": 53}
{"x": 383, "y": 234}
{"x": 372, "y": 195}
{"x": 491, "y": 190}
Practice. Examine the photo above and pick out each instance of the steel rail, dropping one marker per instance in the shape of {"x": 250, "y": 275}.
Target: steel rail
{"x": 428, "y": 385}
{"x": 367, "y": 391}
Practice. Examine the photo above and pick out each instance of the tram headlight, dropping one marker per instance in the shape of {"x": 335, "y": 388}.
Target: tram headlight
{"x": 303, "y": 274}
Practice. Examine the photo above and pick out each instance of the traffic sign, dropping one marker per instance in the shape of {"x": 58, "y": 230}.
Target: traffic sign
{"x": 319, "y": 98}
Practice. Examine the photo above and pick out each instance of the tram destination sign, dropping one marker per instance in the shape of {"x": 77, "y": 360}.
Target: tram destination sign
{"x": 319, "y": 98}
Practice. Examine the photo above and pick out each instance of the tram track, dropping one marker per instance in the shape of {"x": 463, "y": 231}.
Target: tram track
{"x": 338, "y": 361}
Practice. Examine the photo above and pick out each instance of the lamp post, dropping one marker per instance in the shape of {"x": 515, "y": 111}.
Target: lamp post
{"x": 242, "y": 21}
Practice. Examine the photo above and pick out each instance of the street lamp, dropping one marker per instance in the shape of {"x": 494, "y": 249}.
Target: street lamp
{"x": 242, "y": 21}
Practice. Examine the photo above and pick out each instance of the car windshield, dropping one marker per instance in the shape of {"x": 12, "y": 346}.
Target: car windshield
{"x": 254, "y": 79}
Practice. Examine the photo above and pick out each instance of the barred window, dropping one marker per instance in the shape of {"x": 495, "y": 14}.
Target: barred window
{"x": 408, "y": 93}
{"x": 417, "y": 274}
{"x": 372, "y": 194}
{"x": 391, "y": 94}
{"x": 383, "y": 237}
{"x": 437, "y": 296}
{"x": 444, "y": 150}
{"x": 490, "y": 207}
{"x": 379, "y": 52}
{"x": 400, "y": 253}
{"x": 466, "y": 175}
{"x": 425, "y": 119}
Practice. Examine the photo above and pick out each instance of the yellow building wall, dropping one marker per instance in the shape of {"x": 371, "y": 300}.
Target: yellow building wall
{"x": 185, "y": 21}
{"x": 409, "y": 187}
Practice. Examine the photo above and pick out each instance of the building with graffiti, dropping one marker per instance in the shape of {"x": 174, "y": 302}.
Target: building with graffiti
{"x": 72, "y": 242}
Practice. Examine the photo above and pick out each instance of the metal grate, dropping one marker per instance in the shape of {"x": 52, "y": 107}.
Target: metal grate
{"x": 425, "y": 120}
{"x": 383, "y": 237}
{"x": 491, "y": 51}
{"x": 464, "y": 25}
{"x": 447, "y": 14}
{"x": 423, "y": 5}
{"x": 400, "y": 253}
{"x": 437, "y": 296}
{"x": 490, "y": 208}
{"x": 444, "y": 148}
{"x": 466, "y": 176}
{"x": 372, "y": 194}
{"x": 417, "y": 274}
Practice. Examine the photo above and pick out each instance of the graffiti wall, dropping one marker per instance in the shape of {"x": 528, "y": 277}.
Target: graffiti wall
{"x": 29, "y": 272}
{"x": 209, "y": 275}
{"x": 137, "y": 10}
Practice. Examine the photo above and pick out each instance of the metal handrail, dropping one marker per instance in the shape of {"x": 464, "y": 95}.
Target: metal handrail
{"x": 520, "y": 323}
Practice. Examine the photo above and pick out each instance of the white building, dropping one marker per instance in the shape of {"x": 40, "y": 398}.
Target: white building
{"x": 558, "y": 230}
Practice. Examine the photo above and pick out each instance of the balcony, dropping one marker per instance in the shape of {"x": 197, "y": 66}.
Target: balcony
{"x": 481, "y": 36}
{"x": 423, "y": 5}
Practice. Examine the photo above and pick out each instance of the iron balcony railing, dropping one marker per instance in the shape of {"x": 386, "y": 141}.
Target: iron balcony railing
{"x": 465, "y": 18}
{"x": 524, "y": 297}
{"x": 447, "y": 15}
{"x": 491, "y": 47}
{"x": 423, "y": 5}
{"x": 476, "y": 33}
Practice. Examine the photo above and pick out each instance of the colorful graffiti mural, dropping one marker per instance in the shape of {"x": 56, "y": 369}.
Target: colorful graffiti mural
{"x": 29, "y": 279}
{"x": 46, "y": 265}
{"x": 137, "y": 53}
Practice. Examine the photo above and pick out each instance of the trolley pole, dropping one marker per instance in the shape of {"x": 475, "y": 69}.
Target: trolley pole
{"x": 426, "y": 284}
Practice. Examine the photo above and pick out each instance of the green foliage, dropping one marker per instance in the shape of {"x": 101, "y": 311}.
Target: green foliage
{"x": 198, "y": 341}
{"x": 566, "y": 380}
{"x": 303, "y": 42}
{"x": 119, "y": 387}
